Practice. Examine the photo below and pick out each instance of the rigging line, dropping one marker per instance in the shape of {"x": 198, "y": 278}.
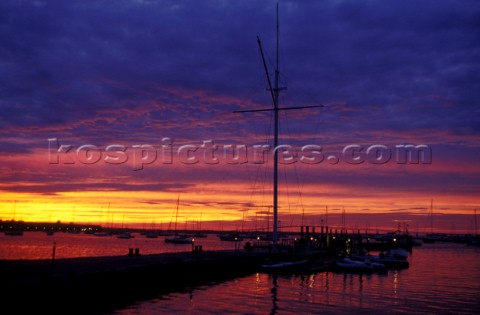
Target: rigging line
{"x": 266, "y": 140}
{"x": 285, "y": 116}
{"x": 269, "y": 61}
{"x": 265, "y": 175}
{"x": 259, "y": 181}
{"x": 257, "y": 176}
{"x": 257, "y": 134}
{"x": 287, "y": 189}
{"x": 265, "y": 171}
{"x": 300, "y": 187}
{"x": 295, "y": 168}
{"x": 171, "y": 220}
{"x": 251, "y": 184}
{"x": 268, "y": 133}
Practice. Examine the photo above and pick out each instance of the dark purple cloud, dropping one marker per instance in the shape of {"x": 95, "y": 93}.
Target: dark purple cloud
{"x": 64, "y": 62}
{"x": 103, "y": 72}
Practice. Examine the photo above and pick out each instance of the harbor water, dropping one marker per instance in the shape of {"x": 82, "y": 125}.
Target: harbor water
{"x": 37, "y": 245}
{"x": 443, "y": 278}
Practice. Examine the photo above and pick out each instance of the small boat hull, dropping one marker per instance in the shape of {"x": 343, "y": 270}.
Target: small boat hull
{"x": 347, "y": 264}
{"x": 14, "y": 233}
{"x": 178, "y": 240}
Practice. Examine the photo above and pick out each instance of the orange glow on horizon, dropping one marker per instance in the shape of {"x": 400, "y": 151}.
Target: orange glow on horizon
{"x": 216, "y": 203}
{"x": 223, "y": 193}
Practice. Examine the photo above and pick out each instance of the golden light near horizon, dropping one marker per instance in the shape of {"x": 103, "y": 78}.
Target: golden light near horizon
{"x": 116, "y": 208}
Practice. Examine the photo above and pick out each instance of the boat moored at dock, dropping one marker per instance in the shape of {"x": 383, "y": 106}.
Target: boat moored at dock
{"x": 347, "y": 264}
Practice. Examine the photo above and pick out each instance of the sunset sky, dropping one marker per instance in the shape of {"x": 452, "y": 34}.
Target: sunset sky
{"x": 120, "y": 81}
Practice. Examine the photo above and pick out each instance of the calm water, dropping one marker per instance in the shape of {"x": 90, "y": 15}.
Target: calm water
{"x": 37, "y": 245}
{"x": 442, "y": 279}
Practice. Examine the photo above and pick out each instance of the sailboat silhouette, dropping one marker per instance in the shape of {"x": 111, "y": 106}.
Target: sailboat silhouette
{"x": 15, "y": 229}
{"x": 274, "y": 93}
{"x": 176, "y": 238}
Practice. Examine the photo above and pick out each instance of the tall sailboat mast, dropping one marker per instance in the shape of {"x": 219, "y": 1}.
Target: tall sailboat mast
{"x": 275, "y": 151}
{"x": 176, "y": 214}
{"x": 274, "y": 92}
{"x": 431, "y": 216}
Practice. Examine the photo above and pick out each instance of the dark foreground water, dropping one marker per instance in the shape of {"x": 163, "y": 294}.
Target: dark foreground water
{"x": 442, "y": 279}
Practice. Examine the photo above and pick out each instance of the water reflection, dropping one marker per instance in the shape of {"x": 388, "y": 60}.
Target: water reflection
{"x": 360, "y": 280}
{"x": 402, "y": 292}
{"x": 274, "y": 292}
{"x": 429, "y": 285}
{"x": 306, "y": 286}
{"x": 360, "y": 290}
{"x": 36, "y": 245}
{"x": 395, "y": 283}
{"x": 326, "y": 289}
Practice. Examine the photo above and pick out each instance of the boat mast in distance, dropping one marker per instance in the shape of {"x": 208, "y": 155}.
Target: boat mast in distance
{"x": 274, "y": 92}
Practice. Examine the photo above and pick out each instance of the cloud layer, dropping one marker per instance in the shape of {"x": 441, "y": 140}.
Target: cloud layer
{"x": 132, "y": 72}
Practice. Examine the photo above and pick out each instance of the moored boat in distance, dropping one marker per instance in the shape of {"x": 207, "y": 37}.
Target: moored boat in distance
{"x": 14, "y": 232}
{"x": 230, "y": 237}
{"x": 347, "y": 264}
{"x": 151, "y": 234}
{"x": 392, "y": 258}
{"x": 179, "y": 239}
{"x": 125, "y": 235}
{"x": 284, "y": 265}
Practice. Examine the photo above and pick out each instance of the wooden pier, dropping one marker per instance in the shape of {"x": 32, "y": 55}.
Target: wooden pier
{"x": 93, "y": 285}
{"x": 90, "y": 285}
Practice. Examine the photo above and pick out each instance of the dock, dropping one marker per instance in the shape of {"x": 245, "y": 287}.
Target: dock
{"x": 96, "y": 285}
{"x": 93, "y": 285}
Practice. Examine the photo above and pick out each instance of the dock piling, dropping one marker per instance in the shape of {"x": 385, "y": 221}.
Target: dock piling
{"x": 53, "y": 251}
